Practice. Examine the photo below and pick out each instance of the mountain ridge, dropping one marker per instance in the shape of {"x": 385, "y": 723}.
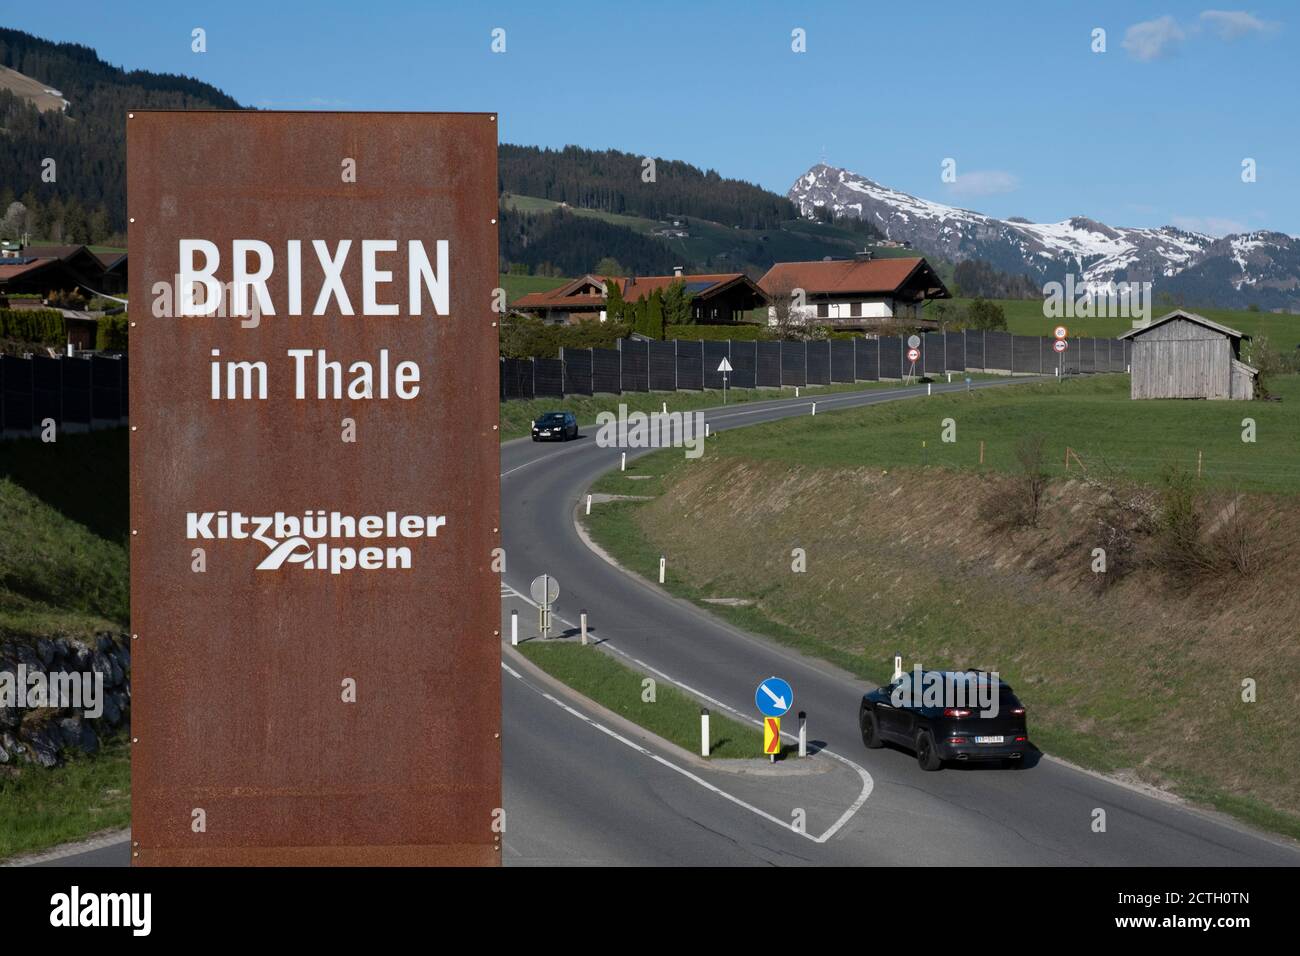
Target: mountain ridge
{"x": 1260, "y": 267}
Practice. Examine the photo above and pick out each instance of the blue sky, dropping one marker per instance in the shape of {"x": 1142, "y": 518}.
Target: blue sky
{"x": 1152, "y": 131}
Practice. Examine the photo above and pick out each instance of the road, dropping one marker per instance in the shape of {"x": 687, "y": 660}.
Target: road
{"x": 966, "y": 815}
{"x": 580, "y": 792}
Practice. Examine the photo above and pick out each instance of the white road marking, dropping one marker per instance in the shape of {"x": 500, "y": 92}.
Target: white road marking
{"x": 867, "y": 783}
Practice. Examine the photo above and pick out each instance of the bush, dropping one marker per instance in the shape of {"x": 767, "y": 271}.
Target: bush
{"x": 110, "y": 333}
{"x": 34, "y": 326}
{"x": 1018, "y": 501}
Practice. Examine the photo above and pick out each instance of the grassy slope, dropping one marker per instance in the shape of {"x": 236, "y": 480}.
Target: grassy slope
{"x": 63, "y": 514}
{"x": 63, "y": 572}
{"x": 1135, "y": 679}
{"x": 672, "y": 714}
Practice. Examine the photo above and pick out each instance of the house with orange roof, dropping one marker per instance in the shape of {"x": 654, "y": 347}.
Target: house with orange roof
{"x": 862, "y": 293}
{"x": 716, "y": 298}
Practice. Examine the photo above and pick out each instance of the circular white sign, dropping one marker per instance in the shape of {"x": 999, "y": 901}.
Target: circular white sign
{"x": 1061, "y": 332}
{"x": 545, "y": 589}
{"x": 913, "y": 340}
{"x": 913, "y": 355}
{"x": 1060, "y": 345}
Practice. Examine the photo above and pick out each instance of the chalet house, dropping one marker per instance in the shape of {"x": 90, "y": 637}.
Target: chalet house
{"x": 37, "y": 270}
{"x": 861, "y": 293}
{"x": 715, "y": 299}
{"x": 1185, "y": 355}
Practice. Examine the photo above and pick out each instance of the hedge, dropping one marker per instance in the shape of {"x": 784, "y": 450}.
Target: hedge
{"x": 37, "y": 326}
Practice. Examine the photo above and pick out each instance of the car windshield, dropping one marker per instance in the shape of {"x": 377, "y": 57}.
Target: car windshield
{"x": 554, "y": 418}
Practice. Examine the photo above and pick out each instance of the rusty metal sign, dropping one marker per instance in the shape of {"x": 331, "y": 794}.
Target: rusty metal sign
{"x": 314, "y": 495}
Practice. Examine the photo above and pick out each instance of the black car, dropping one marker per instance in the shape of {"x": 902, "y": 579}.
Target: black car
{"x": 555, "y": 426}
{"x": 935, "y": 732}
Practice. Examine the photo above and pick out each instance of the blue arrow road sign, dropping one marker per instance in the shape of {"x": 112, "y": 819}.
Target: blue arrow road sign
{"x": 773, "y": 697}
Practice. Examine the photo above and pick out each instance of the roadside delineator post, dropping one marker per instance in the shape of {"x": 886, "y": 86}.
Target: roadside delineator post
{"x": 706, "y": 429}
{"x": 704, "y": 731}
{"x": 514, "y": 628}
{"x": 981, "y": 451}
{"x": 803, "y": 733}
{"x": 662, "y": 563}
{"x": 665, "y": 408}
{"x": 814, "y": 410}
{"x": 582, "y": 625}
{"x": 622, "y": 465}
{"x": 929, "y": 388}
{"x": 588, "y": 504}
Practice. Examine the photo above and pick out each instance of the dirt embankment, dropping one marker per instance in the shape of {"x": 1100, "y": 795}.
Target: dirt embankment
{"x": 1126, "y": 673}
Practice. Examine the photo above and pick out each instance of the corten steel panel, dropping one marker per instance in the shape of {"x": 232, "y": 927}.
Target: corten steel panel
{"x": 238, "y": 672}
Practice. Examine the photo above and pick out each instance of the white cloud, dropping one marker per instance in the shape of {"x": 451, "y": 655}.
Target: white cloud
{"x": 1234, "y": 24}
{"x": 1210, "y": 225}
{"x": 1152, "y": 39}
{"x": 984, "y": 182}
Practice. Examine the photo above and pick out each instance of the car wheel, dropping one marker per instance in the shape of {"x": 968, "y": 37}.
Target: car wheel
{"x": 926, "y": 753}
{"x": 535, "y": 438}
{"x": 870, "y": 731}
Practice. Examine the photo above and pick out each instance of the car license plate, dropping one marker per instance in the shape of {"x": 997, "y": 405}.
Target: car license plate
{"x": 988, "y": 740}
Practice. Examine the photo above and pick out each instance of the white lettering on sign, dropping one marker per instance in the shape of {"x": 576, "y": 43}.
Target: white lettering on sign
{"x": 253, "y": 262}
{"x": 307, "y": 540}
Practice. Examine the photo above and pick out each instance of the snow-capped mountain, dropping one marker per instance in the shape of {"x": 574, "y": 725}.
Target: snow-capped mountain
{"x": 1258, "y": 267}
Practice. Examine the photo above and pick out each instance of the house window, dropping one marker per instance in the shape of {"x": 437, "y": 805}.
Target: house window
{"x": 855, "y": 310}
{"x": 823, "y": 310}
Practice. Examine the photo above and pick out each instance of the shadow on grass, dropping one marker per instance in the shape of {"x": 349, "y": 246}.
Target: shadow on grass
{"x": 84, "y": 477}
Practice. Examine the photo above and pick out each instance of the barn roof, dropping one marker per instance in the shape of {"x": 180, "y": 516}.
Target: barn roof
{"x": 1190, "y": 317}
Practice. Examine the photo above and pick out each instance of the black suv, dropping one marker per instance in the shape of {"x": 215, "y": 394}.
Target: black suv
{"x": 555, "y": 426}
{"x": 936, "y": 732}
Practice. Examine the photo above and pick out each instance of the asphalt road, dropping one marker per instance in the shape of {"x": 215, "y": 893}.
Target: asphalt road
{"x": 964, "y": 815}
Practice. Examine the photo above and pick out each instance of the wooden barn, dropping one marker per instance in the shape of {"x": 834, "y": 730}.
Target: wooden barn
{"x": 1185, "y": 355}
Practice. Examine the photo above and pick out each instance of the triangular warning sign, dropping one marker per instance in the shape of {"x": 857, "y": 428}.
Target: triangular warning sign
{"x": 724, "y": 366}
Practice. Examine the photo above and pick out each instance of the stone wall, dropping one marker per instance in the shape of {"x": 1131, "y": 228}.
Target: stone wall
{"x": 42, "y": 735}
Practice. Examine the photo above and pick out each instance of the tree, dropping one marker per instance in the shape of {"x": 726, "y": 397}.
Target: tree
{"x": 677, "y": 304}
{"x": 615, "y": 307}
{"x": 609, "y": 266}
{"x": 984, "y": 314}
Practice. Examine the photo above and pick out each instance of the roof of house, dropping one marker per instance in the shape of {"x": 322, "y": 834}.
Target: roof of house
{"x": 848, "y": 276}
{"x": 1190, "y": 317}
{"x": 567, "y": 296}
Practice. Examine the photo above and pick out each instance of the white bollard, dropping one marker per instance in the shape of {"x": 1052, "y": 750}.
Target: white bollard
{"x": 514, "y": 628}
{"x": 796, "y": 391}
{"x": 704, "y": 731}
{"x": 929, "y": 388}
{"x": 662, "y": 564}
{"x": 803, "y": 734}
{"x": 623, "y": 463}
{"x": 950, "y": 378}
{"x": 814, "y": 411}
{"x": 588, "y": 504}
{"x": 706, "y": 429}
{"x": 665, "y": 408}
{"x": 583, "y": 626}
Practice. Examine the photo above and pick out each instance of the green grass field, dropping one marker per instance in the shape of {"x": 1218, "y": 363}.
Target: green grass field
{"x": 1025, "y": 317}
{"x": 1092, "y": 415}
{"x": 41, "y": 808}
{"x": 671, "y": 714}
{"x": 1140, "y": 680}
